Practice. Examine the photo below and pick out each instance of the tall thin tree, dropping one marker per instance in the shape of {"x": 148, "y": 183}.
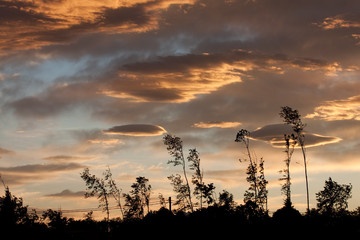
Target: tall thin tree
{"x": 292, "y": 117}
{"x": 103, "y": 188}
{"x": 256, "y": 177}
{"x": 290, "y": 142}
{"x": 113, "y": 189}
{"x": 243, "y": 137}
{"x": 175, "y": 148}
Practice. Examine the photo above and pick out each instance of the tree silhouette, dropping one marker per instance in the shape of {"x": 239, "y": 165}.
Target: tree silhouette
{"x": 333, "y": 199}
{"x": 12, "y": 210}
{"x": 292, "y": 117}
{"x": 257, "y": 191}
{"x": 201, "y": 190}
{"x": 56, "y": 220}
{"x": 138, "y": 198}
{"x": 98, "y": 187}
{"x": 113, "y": 189}
{"x": 226, "y": 200}
{"x": 290, "y": 142}
{"x": 175, "y": 148}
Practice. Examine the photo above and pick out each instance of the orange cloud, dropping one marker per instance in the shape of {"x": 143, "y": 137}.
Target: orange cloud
{"x": 182, "y": 78}
{"x": 171, "y": 87}
{"x": 338, "y": 22}
{"x": 216, "y": 124}
{"x": 346, "y": 109}
{"x": 33, "y": 24}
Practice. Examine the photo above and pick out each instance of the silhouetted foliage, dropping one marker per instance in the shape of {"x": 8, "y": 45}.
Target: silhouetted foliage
{"x": 226, "y": 200}
{"x": 113, "y": 189}
{"x": 204, "y": 192}
{"x": 138, "y": 198}
{"x": 174, "y": 146}
{"x": 224, "y": 219}
{"x": 290, "y": 142}
{"x": 12, "y": 210}
{"x": 287, "y": 214}
{"x": 333, "y": 199}
{"x": 56, "y": 220}
{"x": 97, "y": 187}
{"x": 257, "y": 191}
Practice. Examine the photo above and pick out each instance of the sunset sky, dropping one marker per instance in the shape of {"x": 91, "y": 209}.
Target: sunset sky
{"x": 98, "y": 83}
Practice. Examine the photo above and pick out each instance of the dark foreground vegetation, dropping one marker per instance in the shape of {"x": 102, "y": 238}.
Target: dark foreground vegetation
{"x": 223, "y": 219}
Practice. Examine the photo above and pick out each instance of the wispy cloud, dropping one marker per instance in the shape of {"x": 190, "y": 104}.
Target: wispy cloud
{"x": 65, "y": 158}
{"x": 344, "y": 109}
{"x": 19, "y": 175}
{"x": 216, "y": 124}
{"x": 340, "y": 21}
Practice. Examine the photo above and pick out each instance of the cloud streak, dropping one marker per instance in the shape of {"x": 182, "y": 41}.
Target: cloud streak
{"x": 37, "y": 24}
{"x": 24, "y": 174}
{"x": 136, "y": 130}
{"x": 345, "y": 109}
{"x": 274, "y": 134}
{"x": 66, "y": 194}
{"x": 216, "y": 124}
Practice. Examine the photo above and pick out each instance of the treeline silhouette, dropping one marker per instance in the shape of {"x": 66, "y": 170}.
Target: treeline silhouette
{"x": 197, "y": 211}
{"x": 224, "y": 218}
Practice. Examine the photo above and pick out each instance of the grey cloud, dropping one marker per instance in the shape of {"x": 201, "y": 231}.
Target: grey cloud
{"x": 19, "y": 175}
{"x": 136, "y": 130}
{"x": 65, "y": 158}
{"x": 67, "y": 194}
{"x": 41, "y": 168}
{"x": 54, "y": 100}
{"x": 136, "y": 14}
{"x": 274, "y": 134}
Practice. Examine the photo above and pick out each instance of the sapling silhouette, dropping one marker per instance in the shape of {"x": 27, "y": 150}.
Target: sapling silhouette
{"x": 138, "y": 198}
{"x": 292, "y": 117}
{"x": 290, "y": 142}
{"x": 257, "y": 191}
{"x": 175, "y": 149}
{"x": 100, "y": 188}
{"x": 201, "y": 190}
{"x": 113, "y": 189}
{"x": 204, "y": 192}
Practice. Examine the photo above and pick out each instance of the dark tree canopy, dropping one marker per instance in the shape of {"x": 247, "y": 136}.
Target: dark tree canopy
{"x": 334, "y": 198}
